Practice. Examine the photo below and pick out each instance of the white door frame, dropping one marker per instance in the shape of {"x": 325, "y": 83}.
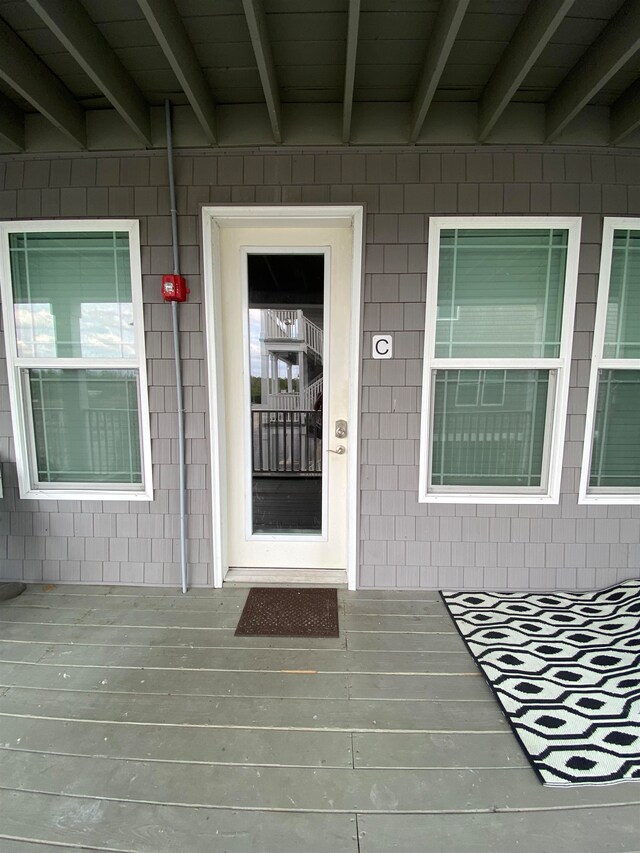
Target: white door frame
{"x": 214, "y": 218}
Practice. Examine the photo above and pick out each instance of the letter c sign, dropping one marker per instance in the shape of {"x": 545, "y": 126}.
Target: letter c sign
{"x": 382, "y": 346}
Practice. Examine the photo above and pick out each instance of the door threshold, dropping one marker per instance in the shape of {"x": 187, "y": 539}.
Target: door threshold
{"x": 297, "y": 577}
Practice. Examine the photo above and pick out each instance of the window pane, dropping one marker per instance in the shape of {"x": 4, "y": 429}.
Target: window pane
{"x": 72, "y": 295}
{"x": 622, "y": 332}
{"x": 500, "y": 293}
{"x": 286, "y": 356}
{"x": 86, "y": 425}
{"x": 499, "y": 441}
{"x": 616, "y": 440}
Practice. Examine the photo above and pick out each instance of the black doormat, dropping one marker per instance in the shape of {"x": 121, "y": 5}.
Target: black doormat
{"x": 275, "y": 612}
{"x": 565, "y": 666}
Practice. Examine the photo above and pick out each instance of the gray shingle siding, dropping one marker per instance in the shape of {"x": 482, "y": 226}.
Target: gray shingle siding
{"x": 404, "y": 543}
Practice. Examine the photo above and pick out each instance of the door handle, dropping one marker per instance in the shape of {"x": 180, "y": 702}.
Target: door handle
{"x": 340, "y": 450}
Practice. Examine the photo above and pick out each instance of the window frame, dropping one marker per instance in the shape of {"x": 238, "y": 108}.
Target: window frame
{"x": 559, "y": 368}
{"x": 17, "y": 367}
{"x": 605, "y": 495}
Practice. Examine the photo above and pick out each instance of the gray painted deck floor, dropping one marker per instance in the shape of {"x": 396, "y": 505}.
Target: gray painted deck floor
{"x": 133, "y": 720}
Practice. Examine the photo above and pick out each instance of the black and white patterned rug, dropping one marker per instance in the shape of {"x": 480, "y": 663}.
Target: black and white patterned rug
{"x": 566, "y": 669}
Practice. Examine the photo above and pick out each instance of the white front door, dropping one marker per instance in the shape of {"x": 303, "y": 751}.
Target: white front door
{"x": 285, "y": 327}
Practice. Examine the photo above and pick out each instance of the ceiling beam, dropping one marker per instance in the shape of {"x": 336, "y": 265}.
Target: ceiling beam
{"x": 624, "y": 116}
{"x": 443, "y": 35}
{"x": 257, "y": 23}
{"x": 350, "y": 68}
{"x": 617, "y": 44}
{"x": 30, "y": 77}
{"x": 11, "y": 123}
{"x": 169, "y": 30}
{"x": 74, "y": 29}
{"x": 539, "y": 23}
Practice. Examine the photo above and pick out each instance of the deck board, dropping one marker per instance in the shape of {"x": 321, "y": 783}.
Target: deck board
{"x": 262, "y": 713}
{"x": 110, "y": 635}
{"x": 297, "y": 788}
{"x": 127, "y": 827}
{"x": 236, "y": 659}
{"x": 232, "y": 602}
{"x": 400, "y": 641}
{"x": 133, "y": 720}
{"x": 435, "y": 750}
{"x": 13, "y": 846}
{"x": 177, "y": 682}
{"x": 424, "y": 688}
{"x": 611, "y": 830}
{"x": 218, "y": 619}
{"x": 182, "y": 744}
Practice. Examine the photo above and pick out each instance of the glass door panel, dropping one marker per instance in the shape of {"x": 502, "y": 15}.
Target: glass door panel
{"x": 286, "y": 356}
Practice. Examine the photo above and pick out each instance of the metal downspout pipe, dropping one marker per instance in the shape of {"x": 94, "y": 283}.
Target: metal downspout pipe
{"x": 176, "y": 347}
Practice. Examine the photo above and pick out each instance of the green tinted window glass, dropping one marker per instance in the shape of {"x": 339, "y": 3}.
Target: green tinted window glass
{"x": 496, "y": 441}
{"x": 622, "y": 331}
{"x": 72, "y": 295}
{"x": 500, "y": 293}
{"x": 86, "y": 426}
{"x": 615, "y": 460}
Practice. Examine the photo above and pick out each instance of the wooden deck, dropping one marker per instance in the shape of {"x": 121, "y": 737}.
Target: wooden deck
{"x": 133, "y": 720}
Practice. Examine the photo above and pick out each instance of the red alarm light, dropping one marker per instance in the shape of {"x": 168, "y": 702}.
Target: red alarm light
{"x": 174, "y": 288}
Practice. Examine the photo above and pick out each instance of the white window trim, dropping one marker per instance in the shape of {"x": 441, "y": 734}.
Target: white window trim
{"x": 598, "y": 362}
{"x": 555, "y": 431}
{"x": 29, "y": 489}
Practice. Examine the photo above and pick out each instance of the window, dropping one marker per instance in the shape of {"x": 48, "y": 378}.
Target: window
{"x": 72, "y": 307}
{"x": 611, "y": 461}
{"x": 500, "y": 304}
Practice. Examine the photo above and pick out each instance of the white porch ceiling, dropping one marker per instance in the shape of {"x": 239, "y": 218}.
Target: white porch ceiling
{"x": 93, "y": 74}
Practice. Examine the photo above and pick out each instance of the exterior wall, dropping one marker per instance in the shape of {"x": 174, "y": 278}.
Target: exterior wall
{"x": 404, "y": 543}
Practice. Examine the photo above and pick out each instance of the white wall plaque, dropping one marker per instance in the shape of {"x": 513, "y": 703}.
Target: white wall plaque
{"x": 382, "y": 346}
